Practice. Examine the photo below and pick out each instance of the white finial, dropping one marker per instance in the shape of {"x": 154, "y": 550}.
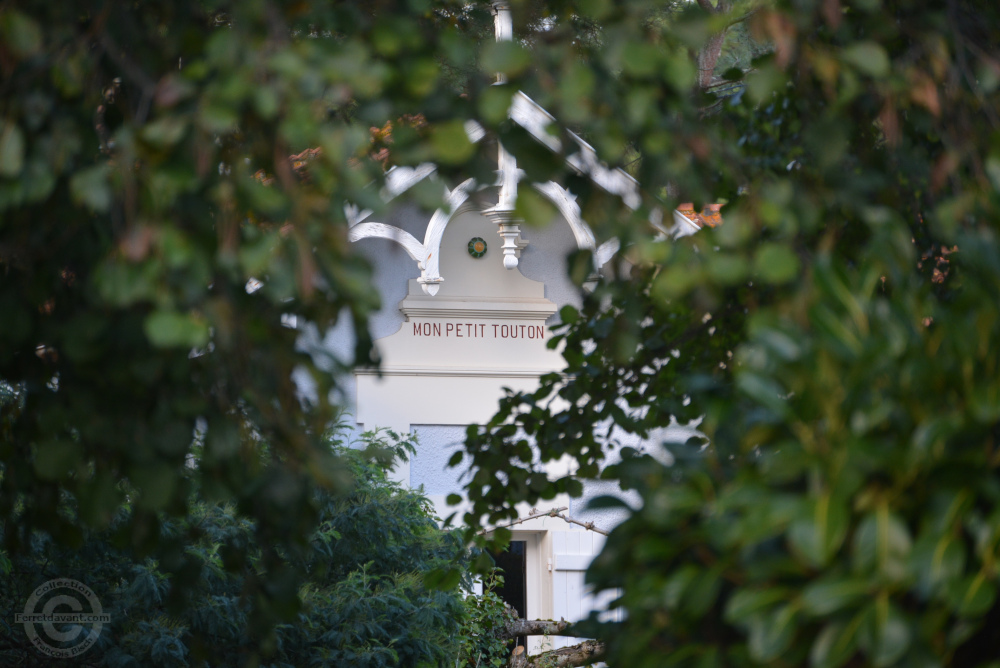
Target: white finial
{"x": 503, "y": 26}
{"x": 503, "y": 213}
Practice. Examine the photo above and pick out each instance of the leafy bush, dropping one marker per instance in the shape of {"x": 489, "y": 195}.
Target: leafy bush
{"x": 363, "y": 602}
{"x": 484, "y": 641}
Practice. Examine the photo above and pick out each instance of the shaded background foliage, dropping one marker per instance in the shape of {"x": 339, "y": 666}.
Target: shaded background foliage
{"x": 363, "y": 601}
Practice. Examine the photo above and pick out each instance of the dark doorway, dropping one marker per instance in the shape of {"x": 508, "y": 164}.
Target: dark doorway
{"x": 514, "y": 591}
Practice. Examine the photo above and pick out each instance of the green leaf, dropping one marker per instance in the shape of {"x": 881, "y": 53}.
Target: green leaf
{"x": 702, "y": 592}
{"x": 834, "y": 645}
{"x": 569, "y": 314}
{"x": 641, "y": 59}
{"x": 11, "y": 150}
{"x": 165, "y": 132}
{"x": 884, "y": 634}
{"x": 746, "y": 603}
{"x": 90, "y": 187}
{"x": 882, "y": 543}
{"x": 266, "y": 101}
{"x": 868, "y": 57}
{"x": 937, "y": 561}
{"x": 993, "y": 171}
{"x": 20, "y": 33}
{"x": 534, "y": 208}
{"x": 772, "y": 633}
{"x": 421, "y": 76}
{"x": 444, "y": 579}
{"x": 56, "y": 460}
{"x": 450, "y": 143}
{"x": 506, "y": 57}
{"x": 764, "y": 390}
{"x": 494, "y": 104}
{"x": 726, "y": 268}
{"x": 676, "y": 281}
{"x": 820, "y": 531}
{"x": 170, "y": 329}
{"x": 387, "y": 37}
{"x": 156, "y": 484}
{"x": 973, "y": 595}
{"x": 823, "y": 597}
{"x": 764, "y": 82}
{"x": 222, "y": 441}
{"x": 776, "y": 263}
{"x": 122, "y": 283}
{"x": 608, "y": 501}
{"x": 677, "y": 584}
{"x": 595, "y": 9}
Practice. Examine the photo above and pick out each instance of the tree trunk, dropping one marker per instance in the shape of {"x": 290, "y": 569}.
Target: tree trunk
{"x": 708, "y": 57}
{"x": 709, "y": 54}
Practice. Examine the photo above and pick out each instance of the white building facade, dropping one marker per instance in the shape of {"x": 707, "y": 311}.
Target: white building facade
{"x": 468, "y": 295}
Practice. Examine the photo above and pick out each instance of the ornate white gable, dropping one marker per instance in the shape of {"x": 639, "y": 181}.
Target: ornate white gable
{"x": 484, "y": 330}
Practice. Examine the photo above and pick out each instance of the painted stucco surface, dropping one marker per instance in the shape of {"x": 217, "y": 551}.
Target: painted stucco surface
{"x": 545, "y": 260}
{"x": 428, "y": 467}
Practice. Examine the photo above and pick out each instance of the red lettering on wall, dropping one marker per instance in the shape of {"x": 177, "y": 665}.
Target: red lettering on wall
{"x": 478, "y": 330}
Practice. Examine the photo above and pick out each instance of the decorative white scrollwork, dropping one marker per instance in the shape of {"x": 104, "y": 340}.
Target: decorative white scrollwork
{"x": 426, "y": 254}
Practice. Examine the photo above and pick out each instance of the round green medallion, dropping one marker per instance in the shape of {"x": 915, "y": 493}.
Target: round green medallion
{"x": 477, "y": 247}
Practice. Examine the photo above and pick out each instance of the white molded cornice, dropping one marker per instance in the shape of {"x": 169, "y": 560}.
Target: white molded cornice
{"x": 419, "y": 306}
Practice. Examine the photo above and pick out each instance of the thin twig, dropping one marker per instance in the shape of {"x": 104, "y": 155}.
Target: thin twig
{"x": 554, "y": 512}
{"x": 146, "y": 84}
{"x": 530, "y": 516}
{"x": 586, "y": 525}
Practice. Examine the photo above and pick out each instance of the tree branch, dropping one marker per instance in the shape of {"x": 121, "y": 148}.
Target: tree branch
{"x": 530, "y": 516}
{"x": 590, "y": 526}
{"x": 586, "y": 653}
{"x": 555, "y": 512}
{"x": 743, "y": 17}
{"x": 534, "y": 627}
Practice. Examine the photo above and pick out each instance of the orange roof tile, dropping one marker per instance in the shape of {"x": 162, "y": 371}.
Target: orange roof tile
{"x": 710, "y": 215}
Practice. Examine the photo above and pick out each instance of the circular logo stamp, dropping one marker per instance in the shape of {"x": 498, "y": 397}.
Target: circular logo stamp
{"x": 62, "y": 610}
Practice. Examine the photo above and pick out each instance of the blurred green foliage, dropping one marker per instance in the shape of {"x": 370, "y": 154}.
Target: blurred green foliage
{"x": 837, "y": 334}
{"x": 160, "y": 252}
{"x": 837, "y": 337}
